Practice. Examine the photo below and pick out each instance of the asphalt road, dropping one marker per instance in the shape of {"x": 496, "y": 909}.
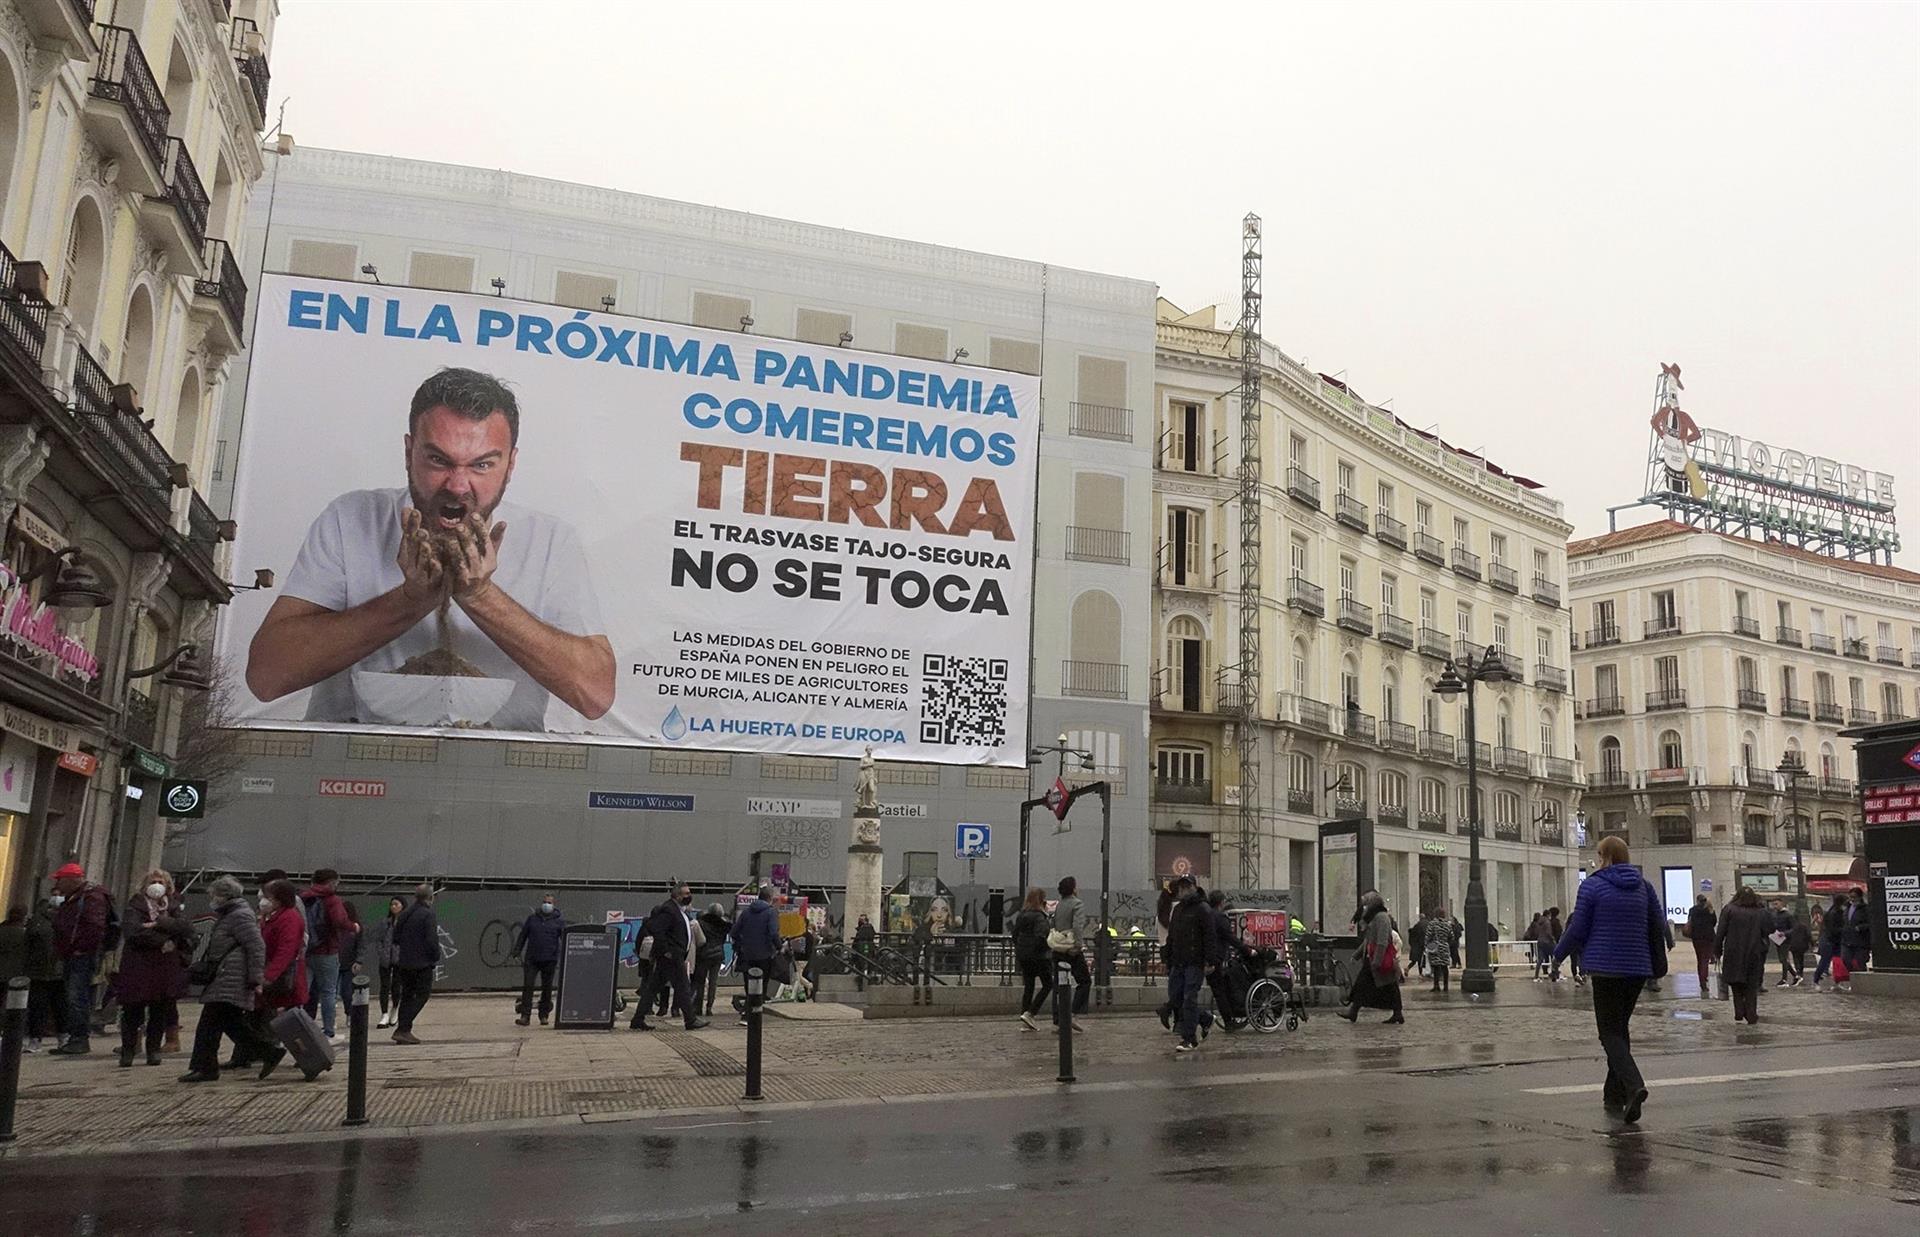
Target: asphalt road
{"x": 1823, "y": 1139}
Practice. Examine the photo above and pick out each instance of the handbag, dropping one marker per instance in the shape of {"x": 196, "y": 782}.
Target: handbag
{"x": 1061, "y": 941}
{"x": 206, "y": 970}
{"x": 1388, "y": 960}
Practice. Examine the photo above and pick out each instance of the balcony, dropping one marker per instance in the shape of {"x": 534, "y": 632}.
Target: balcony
{"x": 1506, "y": 830}
{"x": 1397, "y": 737}
{"x": 1854, "y": 648}
{"x": 1606, "y": 706}
{"x": 1510, "y": 662}
{"x": 179, "y": 220}
{"x": 1306, "y": 597}
{"x": 1820, "y": 642}
{"x": 1434, "y": 643}
{"x": 1436, "y": 745}
{"x": 1348, "y": 806}
{"x": 1829, "y": 712}
{"x": 1100, "y": 421}
{"x": 1753, "y": 698}
{"x": 1666, "y": 698}
{"x": 1304, "y": 711}
{"x": 250, "y": 61}
{"x": 1099, "y": 679}
{"x": 1886, "y": 654}
{"x": 1430, "y": 821}
{"x": 1396, "y": 630}
{"x": 1503, "y": 577}
{"x": 1389, "y": 530}
{"x": 1760, "y": 779}
{"x": 1600, "y": 637}
{"x": 1350, "y": 511}
{"x": 1744, "y": 625}
{"x": 1183, "y": 790}
{"x": 1662, "y": 627}
{"x": 1100, "y": 545}
{"x": 1553, "y": 678}
{"x": 1913, "y": 658}
{"x": 220, "y": 297}
{"x": 1787, "y": 635}
{"x": 1511, "y": 760}
{"x": 1830, "y": 785}
{"x": 1429, "y": 547}
{"x": 1466, "y": 650}
{"x": 1300, "y": 799}
{"x": 144, "y": 468}
{"x": 1552, "y": 833}
{"x": 1482, "y": 754}
{"x": 63, "y": 25}
{"x": 140, "y": 718}
{"x": 1394, "y": 814}
{"x": 127, "y": 113}
{"x": 1466, "y": 563}
{"x": 23, "y": 315}
{"x": 1673, "y": 775}
{"x": 1609, "y": 779}
{"x": 1857, "y": 716}
{"x": 1557, "y": 769}
{"x": 1360, "y": 727}
{"x": 1354, "y": 616}
{"x": 1794, "y": 706}
{"x": 1546, "y": 592}
{"x": 1303, "y": 488}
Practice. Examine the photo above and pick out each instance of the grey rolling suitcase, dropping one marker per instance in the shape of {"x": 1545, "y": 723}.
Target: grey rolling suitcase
{"x": 300, "y": 1035}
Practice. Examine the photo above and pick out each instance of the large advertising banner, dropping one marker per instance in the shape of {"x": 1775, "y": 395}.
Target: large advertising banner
{"x": 494, "y": 516}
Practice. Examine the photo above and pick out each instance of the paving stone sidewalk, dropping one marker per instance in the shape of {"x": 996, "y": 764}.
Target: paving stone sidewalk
{"x": 478, "y": 1068}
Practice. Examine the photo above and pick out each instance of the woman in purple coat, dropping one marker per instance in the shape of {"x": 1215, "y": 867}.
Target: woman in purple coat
{"x": 157, "y": 942}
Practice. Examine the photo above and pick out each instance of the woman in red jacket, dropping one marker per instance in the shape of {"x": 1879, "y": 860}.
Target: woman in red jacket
{"x": 283, "y": 984}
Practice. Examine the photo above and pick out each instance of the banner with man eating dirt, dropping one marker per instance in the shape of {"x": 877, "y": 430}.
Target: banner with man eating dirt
{"x": 490, "y": 516}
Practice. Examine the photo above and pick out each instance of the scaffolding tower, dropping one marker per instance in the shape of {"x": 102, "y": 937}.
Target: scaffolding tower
{"x": 1249, "y": 713}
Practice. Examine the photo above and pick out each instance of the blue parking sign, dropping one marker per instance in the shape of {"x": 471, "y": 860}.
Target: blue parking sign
{"x": 972, "y": 841}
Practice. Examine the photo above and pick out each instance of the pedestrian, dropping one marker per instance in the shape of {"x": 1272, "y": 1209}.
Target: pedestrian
{"x": 380, "y": 952}
{"x": 416, "y": 955}
{"x": 1831, "y": 926}
{"x": 1799, "y": 940}
{"x": 85, "y": 927}
{"x": 1535, "y": 953}
{"x": 1741, "y": 942}
{"x": 1856, "y": 936}
{"x": 1065, "y": 939}
{"x": 1376, "y": 983}
{"x": 1439, "y": 945}
{"x": 157, "y": 941}
{"x": 713, "y": 955}
{"x": 1782, "y": 928}
{"x": 1457, "y": 933}
{"x": 1417, "y": 942}
{"x": 670, "y": 931}
{"x": 1189, "y": 950}
{"x": 1225, "y": 946}
{"x": 538, "y": 949}
{"x": 326, "y": 924}
{"x": 46, "y": 987}
{"x": 1030, "y": 926}
{"x": 230, "y": 973}
{"x": 1616, "y": 930}
{"x": 756, "y": 938}
{"x": 1700, "y": 925}
{"x": 1554, "y": 931}
{"x": 864, "y": 937}
{"x": 283, "y": 978}
{"x": 804, "y": 948}
{"x": 1666, "y": 942}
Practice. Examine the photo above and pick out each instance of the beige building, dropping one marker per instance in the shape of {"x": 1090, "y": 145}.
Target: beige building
{"x": 1385, "y": 552}
{"x": 1702, "y": 661}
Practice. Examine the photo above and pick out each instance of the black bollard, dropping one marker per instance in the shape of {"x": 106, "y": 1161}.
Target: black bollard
{"x": 13, "y": 1033}
{"x": 756, "y": 997}
{"x": 1063, "y": 1014}
{"x": 357, "y": 1053}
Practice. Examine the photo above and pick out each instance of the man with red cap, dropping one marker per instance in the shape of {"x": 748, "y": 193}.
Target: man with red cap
{"x": 83, "y": 923}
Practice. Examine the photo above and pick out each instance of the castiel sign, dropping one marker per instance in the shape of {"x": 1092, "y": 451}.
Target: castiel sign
{"x": 609, "y": 529}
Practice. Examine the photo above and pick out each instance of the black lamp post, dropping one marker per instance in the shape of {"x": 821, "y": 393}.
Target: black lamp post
{"x": 1460, "y": 676}
{"x": 1792, "y": 770}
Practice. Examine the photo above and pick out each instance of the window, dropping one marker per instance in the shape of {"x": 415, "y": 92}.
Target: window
{"x": 1349, "y": 684}
{"x": 1182, "y": 553}
{"x": 1462, "y": 533}
{"x": 1022, "y": 356}
{"x": 584, "y": 291}
{"x": 1665, "y": 616}
{"x": 1540, "y": 562}
{"x": 1543, "y": 645}
{"x": 1606, "y": 682}
{"x": 1506, "y": 810}
{"x": 1389, "y": 594}
{"x": 1497, "y": 547}
{"x": 1297, "y": 558}
{"x": 1348, "y": 573}
{"x": 444, "y": 272}
{"x": 1471, "y": 811}
{"x": 1547, "y": 747}
{"x": 1182, "y": 766}
{"x": 1430, "y": 711}
{"x": 1787, "y": 683}
{"x": 1749, "y": 751}
{"x": 1352, "y": 782}
{"x": 1666, "y": 673}
{"x": 1611, "y": 761}
{"x": 1671, "y": 754}
{"x": 1385, "y": 499}
{"x": 324, "y": 259}
{"x": 1422, "y": 516}
{"x": 1889, "y": 701}
{"x": 1390, "y": 698}
{"x": 1463, "y": 623}
{"x": 1503, "y": 726}
{"x": 1747, "y": 674}
{"x": 1300, "y": 773}
{"x": 1500, "y": 632}
{"x": 1850, "y": 626}
{"x": 1299, "y": 669}
{"x": 929, "y": 343}
{"x": 1742, "y": 603}
{"x": 828, "y": 327}
{"x": 1297, "y": 450}
{"x": 1823, "y": 687}
{"x": 1186, "y": 429}
{"x": 1817, "y": 621}
{"x": 1186, "y": 665}
{"x": 1343, "y": 479}
{"x": 1784, "y": 609}
{"x": 717, "y": 311}
{"x": 1856, "y": 693}
{"x": 1603, "y": 624}
{"x": 1393, "y": 790}
{"x": 1428, "y": 605}
{"x": 1884, "y": 633}
{"x": 1826, "y": 760}
{"x": 1433, "y": 797}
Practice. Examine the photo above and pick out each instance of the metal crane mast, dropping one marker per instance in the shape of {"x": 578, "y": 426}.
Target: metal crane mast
{"x": 1248, "y": 733}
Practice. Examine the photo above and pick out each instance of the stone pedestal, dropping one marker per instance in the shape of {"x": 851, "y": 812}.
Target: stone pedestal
{"x": 865, "y": 881}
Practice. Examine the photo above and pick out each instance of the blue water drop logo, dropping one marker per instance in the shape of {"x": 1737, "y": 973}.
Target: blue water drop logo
{"x": 674, "y": 728}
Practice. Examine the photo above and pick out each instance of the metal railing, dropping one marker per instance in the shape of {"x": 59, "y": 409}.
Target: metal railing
{"x": 1100, "y": 421}
{"x": 1101, "y": 679}
{"x": 1855, "y": 648}
{"x": 1466, "y": 563}
{"x": 1183, "y": 789}
{"x": 1606, "y": 706}
{"x": 1314, "y": 713}
{"x": 252, "y": 65}
{"x": 1350, "y": 511}
{"x": 1431, "y": 822}
{"x": 1551, "y": 677}
{"x": 1303, "y": 594}
{"x": 1752, "y": 698}
{"x": 123, "y": 76}
{"x": 1667, "y": 698}
{"x": 1349, "y": 806}
{"x": 23, "y": 322}
{"x": 1556, "y": 768}
{"x": 1098, "y": 545}
{"x": 184, "y": 190}
{"x": 1503, "y": 577}
{"x": 1609, "y": 779}
{"x": 1392, "y": 814}
{"x": 1355, "y": 616}
{"x": 1506, "y": 830}
{"x": 1598, "y": 637}
{"x": 1397, "y": 736}
{"x": 1836, "y": 785}
{"x": 142, "y": 715}
{"x": 1438, "y": 745}
{"x": 1299, "y": 799}
{"x": 1760, "y": 778}
{"x": 223, "y": 282}
{"x": 1511, "y": 760}
{"x": 1552, "y": 833}
{"x": 1744, "y": 625}
{"x": 1857, "y": 716}
{"x": 1302, "y": 486}
{"x": 1429, "y": 547}
{"x": 1360, "y": 726}
{"x": 1886, "y": 654}
{"x": 1396, "y": 630}
{"x": 1664, "y": 625}
{"x": 1434, "y": 642}
{"x": 1821, "y": 642}
{"x": 1829, "y": 711}
{"x": 1794, "y": 706}
{"x": 1783, "y": 634}
{"x": 1545, "y": 590}
{"x": 1482, "y": 753}
{"x": 1389, "y": 530}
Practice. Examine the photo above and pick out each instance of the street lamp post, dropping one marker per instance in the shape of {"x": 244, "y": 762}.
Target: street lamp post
{"x": 1792, "y": 769}
{"x": 1461, "y": 676}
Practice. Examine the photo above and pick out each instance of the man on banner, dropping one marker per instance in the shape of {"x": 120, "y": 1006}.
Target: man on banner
{"x": 391, "y": 577}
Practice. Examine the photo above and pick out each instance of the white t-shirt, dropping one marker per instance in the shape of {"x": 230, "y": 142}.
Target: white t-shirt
{"x": 351, "y": 556}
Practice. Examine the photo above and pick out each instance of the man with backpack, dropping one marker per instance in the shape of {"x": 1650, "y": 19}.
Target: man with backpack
{"x": 85, "y": 926}
{"x": 327, "y": 927}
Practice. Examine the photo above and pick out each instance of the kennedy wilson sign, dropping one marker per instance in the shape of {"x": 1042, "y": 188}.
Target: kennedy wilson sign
{"x": 498, "y": 517}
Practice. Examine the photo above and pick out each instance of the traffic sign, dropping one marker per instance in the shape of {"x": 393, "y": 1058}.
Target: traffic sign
{"x": 972, "y": 841}
{"x": 1706, "y": 884}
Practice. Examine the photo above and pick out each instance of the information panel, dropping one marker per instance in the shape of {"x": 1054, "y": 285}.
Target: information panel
{"x": 589, "y": 973}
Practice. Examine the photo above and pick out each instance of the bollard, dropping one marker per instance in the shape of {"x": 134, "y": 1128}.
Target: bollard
{"x": 357, "y": 1053}
{"x": 13, "y": 1033}
{"x": 756, "y": 993}
{"x": 1063, "y": 1014}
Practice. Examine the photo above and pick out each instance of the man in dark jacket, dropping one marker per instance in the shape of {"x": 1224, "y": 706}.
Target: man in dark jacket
{"x": 1701, "y": 921}
{"x": 1856, "y": 935}
{"x": 416, "y": 945}
{"x": 1222, "y": 947}
{"x": 672, "y": 934}
{"x": 1832, "y": 927}
{"x": 756, "y": 937}
{"x": 713, "y": 954}
{"x": 539, "y": 952}
{"x": 1189, "y": 942}
{"x": 81, "y": 928}
{"x": 327, "y": 929}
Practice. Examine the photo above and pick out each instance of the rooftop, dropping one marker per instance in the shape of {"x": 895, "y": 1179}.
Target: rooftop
{"x": 1659, "y": 530}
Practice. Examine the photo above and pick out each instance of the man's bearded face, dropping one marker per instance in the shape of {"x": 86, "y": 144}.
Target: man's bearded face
{"x": 457, "y": 466}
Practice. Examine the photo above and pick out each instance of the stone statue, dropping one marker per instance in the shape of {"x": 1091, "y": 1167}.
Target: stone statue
{"x": 866, "y": 795}
{"x": 864, "y": 856}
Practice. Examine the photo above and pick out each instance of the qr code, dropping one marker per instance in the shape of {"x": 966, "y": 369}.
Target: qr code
{"x": 963, "y": 700}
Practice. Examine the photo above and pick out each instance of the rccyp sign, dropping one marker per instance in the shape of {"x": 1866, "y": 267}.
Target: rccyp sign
{"x": 973, "y": 841}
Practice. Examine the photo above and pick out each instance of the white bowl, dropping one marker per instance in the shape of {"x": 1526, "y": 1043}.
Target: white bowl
{"x": 428, "y": 700}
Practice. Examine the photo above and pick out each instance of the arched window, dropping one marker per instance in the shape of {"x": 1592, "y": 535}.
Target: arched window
{"x": 1433, "y": 803}
{"x": 1349, "y": 682}
{"x": 1506, "y": 810}
{"x": 186, "y": 419}
{"x": 1390, "y": 697}
{"x": 1350, "y": 792}
{"x": 136, "y": 350}
{"x": 1393, "y": 792}
{"x": 1188, "y": 656}
{"x": 1181, "y": 773}
{"x": 84, "y": 265}
{"x": 1792, "y": 753}
{"x": 1095, "y": 666}
{"x": 1826, "y": 760}
{"x": 12, "y": 129}
{"x": 1749, "y": 750}
{"x": 1672, "y": 756}
{"x": 1503, "y": 725}
{"x": 1611, "y": 762}
{"x": 1429, "y": 707}
{"x": 1548, "y": 744}
{"x": 1301, "y": 680}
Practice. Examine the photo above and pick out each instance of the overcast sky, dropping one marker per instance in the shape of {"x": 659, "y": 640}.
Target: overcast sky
{"x": 1502, "y": 217}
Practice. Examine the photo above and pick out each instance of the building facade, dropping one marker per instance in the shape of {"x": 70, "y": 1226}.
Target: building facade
{"x": 1703, "y": 662}
{"x": 1385, "y": 552}
{"x": 502, "y": 812}
{"x": 129, "y": 140}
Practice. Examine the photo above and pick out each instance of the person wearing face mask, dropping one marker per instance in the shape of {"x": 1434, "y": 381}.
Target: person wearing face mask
{"x": 672, "y": 935}
{"x": 231, "y": 970}
{"x": 158, "y": 939}
{"x": 712, "y": 954}
{"x": 85, "y": 925}
{"x": 539, "y": 952}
